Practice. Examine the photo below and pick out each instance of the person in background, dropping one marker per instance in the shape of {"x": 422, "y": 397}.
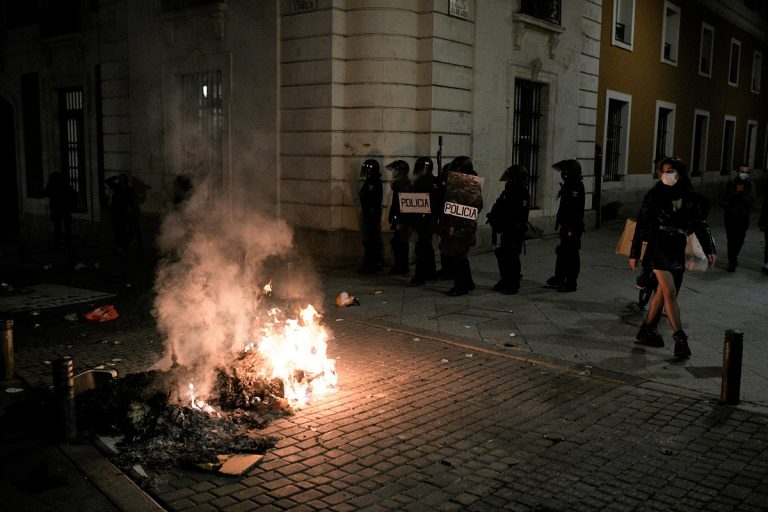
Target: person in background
{"x": 737, "y": 204}
{"x": 371, "y": 195}
{"x": 62, "y": 202}
{"x": 509, "y": 217}
{"x": 122, "y": 207}
{"x": 570, "y": 220}
{"x": 670, "y": 210}
{"x": 424, "y": 223}
{"x": 401, "y": 231}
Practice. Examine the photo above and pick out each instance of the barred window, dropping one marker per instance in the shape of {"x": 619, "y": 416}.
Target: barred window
{"x": 525, "y": 131}
{"x": 73, "y": 143}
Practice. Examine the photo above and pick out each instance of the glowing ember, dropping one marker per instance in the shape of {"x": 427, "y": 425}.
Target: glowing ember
{"x": 294, "y": 351}
{"x": 200, "y": 405}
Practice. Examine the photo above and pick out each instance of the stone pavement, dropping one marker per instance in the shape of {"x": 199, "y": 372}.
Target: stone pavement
{"x": 440, "y": 407}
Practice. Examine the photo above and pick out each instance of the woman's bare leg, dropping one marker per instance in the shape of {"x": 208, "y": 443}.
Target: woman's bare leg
{"x": 669, "y": 294}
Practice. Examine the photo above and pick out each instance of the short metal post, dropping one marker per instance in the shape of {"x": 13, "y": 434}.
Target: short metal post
{"x": 64, "y": 396}
{"x": 6, "y": 351}
{"x": 733, "y": 347}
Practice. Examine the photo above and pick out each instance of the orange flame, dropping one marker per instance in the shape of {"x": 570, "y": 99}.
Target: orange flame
{"x": 295, "y": 353}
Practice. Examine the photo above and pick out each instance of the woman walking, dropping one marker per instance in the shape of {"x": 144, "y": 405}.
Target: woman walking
{"x": 670, "y": 211}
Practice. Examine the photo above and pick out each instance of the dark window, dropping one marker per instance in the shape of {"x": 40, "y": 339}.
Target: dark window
{"x": 173, "y": 5}
{"x": 525, "y": 131}
{"x": 733, "y": 71}
{"x": 73, "y": 142}
{"x": 20, "y": 13}
{"x": 59, "y": 17}
{"x": 727, "y": 153}
{"x": 613, "y": 141}
{"x": 547, "y": 10}
{"x": 33, "y": 146}
{"x": 700, "y": 130}
{"x": 662, "y": 129}
{"x": 203, "y": 123}
{"x": 620, "y": 32}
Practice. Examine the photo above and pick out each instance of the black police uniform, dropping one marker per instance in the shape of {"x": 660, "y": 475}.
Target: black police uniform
{"x": 424, "y": 224}
{"x": 509, "y": 217}
{"x": 401, "y": 229}
{"x": 371, "y": 194}
{"x": 570, "y": 220}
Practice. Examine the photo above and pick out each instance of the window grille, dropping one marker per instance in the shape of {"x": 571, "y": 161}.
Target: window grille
{"x": 203, "y": 125}
{"x": 547, "y": 10}
{"x": 73, "y": 143}
{"x": 525, "y": 131}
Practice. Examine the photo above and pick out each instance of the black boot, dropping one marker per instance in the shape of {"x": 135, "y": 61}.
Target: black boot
{"x": 682, "y": 351}
{"x": 649, "y": 337}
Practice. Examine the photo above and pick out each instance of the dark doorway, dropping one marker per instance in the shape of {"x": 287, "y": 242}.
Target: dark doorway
{"x": 9, "y": 192}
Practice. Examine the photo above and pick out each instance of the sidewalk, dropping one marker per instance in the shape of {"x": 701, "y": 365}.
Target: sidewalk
{"x": 537, "y": 401}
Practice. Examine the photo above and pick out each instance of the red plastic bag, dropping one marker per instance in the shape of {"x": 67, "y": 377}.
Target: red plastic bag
{"x": 102, "y": 314}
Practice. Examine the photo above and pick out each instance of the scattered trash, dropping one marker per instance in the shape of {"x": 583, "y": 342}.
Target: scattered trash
{"x": 416, "y": 339}
{"x": 34, "y": 313}
{"x": 467, "y": 326}
{"x": 469, "y": 355}
{"x": 140, "y": 471}
{"x": 443, "y": 361}
{"x": 512, "y": 335}
{"x": 377, "y": 292}
{"x": 13, "y": 390}
{"x": 102, "y": 314}
{"x": 71, "y": 317}
{"x": 344, "y": 300}
{"x": 339, "y": 319}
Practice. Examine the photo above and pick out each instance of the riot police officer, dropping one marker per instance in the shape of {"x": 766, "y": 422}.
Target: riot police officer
{"x": 570, "y": 220}
{"x": 371, "y": 194}
{"x": 457, "y": 237}
{"x": 509, "y": 217}
{"x": 398, "y": 221}
{"x": 446, "y": 260}
{"x": 424, "y": 223}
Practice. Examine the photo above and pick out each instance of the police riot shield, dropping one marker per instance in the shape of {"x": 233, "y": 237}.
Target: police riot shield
{"x": 458, "y": 220}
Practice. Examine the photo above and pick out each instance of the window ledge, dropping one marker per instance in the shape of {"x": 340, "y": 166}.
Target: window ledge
{"x": 526, "y": 22}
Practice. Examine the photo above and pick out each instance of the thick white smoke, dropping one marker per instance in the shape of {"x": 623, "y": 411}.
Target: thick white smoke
{"x": 209, "y": 302}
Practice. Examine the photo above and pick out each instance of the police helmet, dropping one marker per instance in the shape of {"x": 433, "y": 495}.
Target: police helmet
{"x": 515, "y": 174}
{"x": 370, "y": 168}
{"x": 568, "y": 168}
{"x": 463, "y": 164}
{"x": 399, "y": 168}
{"x": 423, "y": 165}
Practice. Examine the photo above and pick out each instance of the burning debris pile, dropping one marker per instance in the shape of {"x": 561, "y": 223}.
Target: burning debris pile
{"x": 156, "y": 431}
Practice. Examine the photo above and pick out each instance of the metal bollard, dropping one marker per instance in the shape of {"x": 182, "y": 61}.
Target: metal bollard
{"x": 733, "y": 347}
{"x": 6, "y": 351}
{"x": 64, "y": 396}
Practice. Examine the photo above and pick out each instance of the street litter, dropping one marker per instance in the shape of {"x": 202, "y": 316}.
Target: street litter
{"x": 443, "y": 360}
{"x": 13, "y": 390}
{"x": 377, "y": 292}
{"x": 469, "y": 355}
{"x": 344, "y": 300}
{"x": 512, "y": 334}
{"x": 416, "y": 339}
{"x": 102, "y": 314}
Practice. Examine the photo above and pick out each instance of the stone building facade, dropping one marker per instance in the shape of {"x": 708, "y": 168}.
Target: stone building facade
{"x": 277, "y": 103}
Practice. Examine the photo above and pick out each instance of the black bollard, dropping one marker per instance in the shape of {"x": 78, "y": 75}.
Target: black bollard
{"x": 733, "y": 347}
{"x": 64, "y": 396}
{"x": 6, "y": 351}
